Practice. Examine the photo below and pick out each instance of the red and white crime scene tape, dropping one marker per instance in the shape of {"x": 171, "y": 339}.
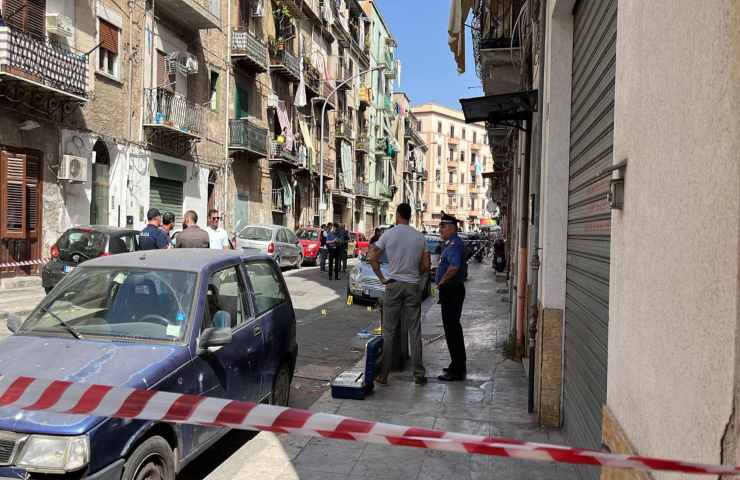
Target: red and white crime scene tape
{"x": 24, "y": 263}
{"x": 32, "y": 394}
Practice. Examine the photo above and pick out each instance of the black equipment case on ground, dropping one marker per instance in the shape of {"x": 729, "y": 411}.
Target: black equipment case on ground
{"x": 356, "y": 383}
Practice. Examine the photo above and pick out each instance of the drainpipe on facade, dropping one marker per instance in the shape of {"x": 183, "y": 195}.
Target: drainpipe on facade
{"x": 536, "y": 220}
{"x": 226, "y": 107}
{"x": 521, "y": 291}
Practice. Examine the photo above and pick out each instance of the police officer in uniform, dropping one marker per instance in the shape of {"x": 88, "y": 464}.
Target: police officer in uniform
{"x": 450, "y": 285}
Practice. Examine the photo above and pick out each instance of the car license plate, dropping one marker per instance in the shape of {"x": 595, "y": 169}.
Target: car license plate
{"x": 68, "y": 268}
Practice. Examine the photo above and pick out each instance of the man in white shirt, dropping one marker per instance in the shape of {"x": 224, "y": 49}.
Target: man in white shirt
{"x": 218, "y": 237}
{"x": 408, "y": 258}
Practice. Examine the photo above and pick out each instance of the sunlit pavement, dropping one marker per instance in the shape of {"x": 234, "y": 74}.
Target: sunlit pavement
{"x": 492, "y": 401}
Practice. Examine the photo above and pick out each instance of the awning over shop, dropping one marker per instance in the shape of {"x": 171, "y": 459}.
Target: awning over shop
{"x": 499, "y": 109}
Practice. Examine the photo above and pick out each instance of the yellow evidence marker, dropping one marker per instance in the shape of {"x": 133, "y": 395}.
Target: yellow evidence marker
{"x": 323, "y": 311}
{"x": 349, "y": 299}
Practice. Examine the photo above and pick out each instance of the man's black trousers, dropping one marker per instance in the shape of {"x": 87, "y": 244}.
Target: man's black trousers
{"x": 451, "y": 299}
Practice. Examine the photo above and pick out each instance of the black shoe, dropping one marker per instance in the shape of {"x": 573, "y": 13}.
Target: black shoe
{"x": 447, "y": 370}
{"x": 451, "y": 377}
{"x": 420, "y": 380}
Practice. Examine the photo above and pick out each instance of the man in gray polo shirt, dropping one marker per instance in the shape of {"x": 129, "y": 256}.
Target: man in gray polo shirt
{"x": 405, "y": 249}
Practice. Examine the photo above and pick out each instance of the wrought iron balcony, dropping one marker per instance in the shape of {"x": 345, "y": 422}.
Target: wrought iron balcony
{"x": 280, "y": 154}
{"x": 278, "y": 200}
{"x": 362, "y": 188}
{"x": 339, "y": 184}
{"x": 363, "y": 143}
{"x": 42, "y": 65}
{"x": 286, "y": 64}
{"x": 248, "y": 49}
{"x": 344, "y": 73}
{"x": 172, "y": 111}
{"x": 245, "y": 135}
{"x": 343, "y": 129}
{"x": 382, "y": 190}
{"x": 191, "y": 13}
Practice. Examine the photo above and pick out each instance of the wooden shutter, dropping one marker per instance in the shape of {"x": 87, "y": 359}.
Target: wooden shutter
{"x": 12, "y": 213}
{"x": 163, "y": 80}
{"x": 33, "y": 195}
{"x": 26, "y": 15}
{"x": 108, "y": 37}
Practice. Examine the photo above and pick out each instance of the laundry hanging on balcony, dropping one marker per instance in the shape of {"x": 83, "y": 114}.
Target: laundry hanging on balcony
{"x": 285, "y": 126}
{"x": 307, "y": 139}
{"x": 300, "y": 94}
{"x": 459, "y": 11}
{"x": 287, "y": 190}
{"x": 346, "y": 153}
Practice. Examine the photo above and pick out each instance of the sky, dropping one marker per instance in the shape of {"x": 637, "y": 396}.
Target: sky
{"x": 428, "y": 70}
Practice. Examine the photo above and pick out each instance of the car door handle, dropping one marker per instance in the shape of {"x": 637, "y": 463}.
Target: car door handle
{"x": 257, "y": 331}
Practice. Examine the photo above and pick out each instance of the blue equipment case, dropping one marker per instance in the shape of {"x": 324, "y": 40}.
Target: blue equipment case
{"x": 356, "y": 383}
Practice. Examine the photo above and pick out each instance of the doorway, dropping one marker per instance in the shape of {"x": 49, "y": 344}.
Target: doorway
{"x": 99, "y": 214}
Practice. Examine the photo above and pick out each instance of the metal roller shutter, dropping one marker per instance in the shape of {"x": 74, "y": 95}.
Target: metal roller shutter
{"x": 166, "y": 195}
{"x": 589, "y": 222}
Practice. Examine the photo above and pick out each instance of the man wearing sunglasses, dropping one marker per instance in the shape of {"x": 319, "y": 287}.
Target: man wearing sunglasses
{"x": 218, "y": 237}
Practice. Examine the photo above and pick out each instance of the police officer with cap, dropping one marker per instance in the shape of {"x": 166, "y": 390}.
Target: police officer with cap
{"x": 151, "y": 237}
{"x": 450, "y": 278}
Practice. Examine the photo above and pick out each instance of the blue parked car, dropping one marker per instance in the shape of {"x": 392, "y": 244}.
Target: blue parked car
{"x": 204, "y": 322}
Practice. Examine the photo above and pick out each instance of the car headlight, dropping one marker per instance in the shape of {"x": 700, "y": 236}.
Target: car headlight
{"x": 52, "y": 454}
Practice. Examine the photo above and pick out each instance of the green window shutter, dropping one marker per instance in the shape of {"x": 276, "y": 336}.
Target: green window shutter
{"x": 241, "y": 103}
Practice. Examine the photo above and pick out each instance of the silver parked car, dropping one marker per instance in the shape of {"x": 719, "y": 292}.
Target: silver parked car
{"x": 274, "y": 240}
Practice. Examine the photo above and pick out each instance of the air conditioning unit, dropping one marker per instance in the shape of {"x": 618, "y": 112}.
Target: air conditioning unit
{"x": 272, "y": 100}
{"x": 59, "y": 25}
{"x": 73, "y": 169}
{"x": 182, "y": 62}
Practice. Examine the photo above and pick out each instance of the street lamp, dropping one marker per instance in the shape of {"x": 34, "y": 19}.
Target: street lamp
{"x": 321, "y": 139}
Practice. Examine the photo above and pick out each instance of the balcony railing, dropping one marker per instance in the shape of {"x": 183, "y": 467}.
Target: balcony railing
{"x": 382, "y": 190}
{"x": 497, "y": 20}
{"x": 165, "y": 109}
{"x": 244, "y": 135}
{"x": 344, "y": 73}
{"x": 278, "y": 153}
{"x": 43, "y": 63}
{"x": 245, "y": 46}
{"x": 286, "y": 64}
{"x": 340, "y": 186}
{"x": 278, "y": 200}
{"x": 363, "y": 143}
{"x": 343, "y": 129}
{"x": 362, "y": 188}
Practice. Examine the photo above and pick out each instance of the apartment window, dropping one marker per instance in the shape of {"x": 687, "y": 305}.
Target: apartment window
{"x": 438, "y": 176}
{"x": 473, "y": 156}
{"x": 452, "y": 154}
{"x": 439, "y": 127}
{"x": 462, "y": 201}
{"x": 463, "y": 134}
{"x": 108, "y": 51}
{"x": 451, "y": 177}
{"x": 472, "y": 203}
{"x": 437, "y": 200}
{"x": 26, "y": 15}
{"x": 452, "y": 131}
{"x": 164, "y": 79}
{"x": 475, "y": 137}
{"x": 214, "y": 91}
{"x": 439, "y": 154}
{"x": 472, "y": 177}
{"x": 451, "y": 199}
{"x": 462, "y": 156}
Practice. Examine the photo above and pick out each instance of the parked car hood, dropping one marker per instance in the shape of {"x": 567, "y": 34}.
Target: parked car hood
{"x": 366, "y": 270}
{"x": 83, "y": 361}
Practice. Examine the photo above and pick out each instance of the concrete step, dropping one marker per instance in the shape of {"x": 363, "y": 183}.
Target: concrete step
{"x": 21, "y": 281}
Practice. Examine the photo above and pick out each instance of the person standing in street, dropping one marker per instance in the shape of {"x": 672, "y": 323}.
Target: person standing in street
{"x": 451, "y": 287}
{"x": 375, "y": 237}
{"x": 168, "y": 223}
{"x": 192, "y": 236}
{"x": 219, "y": 239}
{"x": 343, "y": 245}
{"x": 332, "y": 246}
{"x": 324, "y": 250}
{"x": 405, "y": 249}
{"x": 151, "y": 237}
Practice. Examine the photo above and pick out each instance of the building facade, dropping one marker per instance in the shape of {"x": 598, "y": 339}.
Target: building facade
{"x": 457, "y": 157}
{"x": 603, "y": 187}
{"x": 192, "y": 104}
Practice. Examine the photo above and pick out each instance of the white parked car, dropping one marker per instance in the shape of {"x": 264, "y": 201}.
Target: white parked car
{"x": 274, "y": 240}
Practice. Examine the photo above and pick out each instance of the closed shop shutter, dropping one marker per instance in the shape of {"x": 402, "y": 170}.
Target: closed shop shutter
{"x": 166, "y": 195}
{"x": 589, "y": 222}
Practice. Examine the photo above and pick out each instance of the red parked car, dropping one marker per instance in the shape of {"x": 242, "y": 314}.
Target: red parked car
{"x": 310, "y": 243}
{"x": 360, "y": 242}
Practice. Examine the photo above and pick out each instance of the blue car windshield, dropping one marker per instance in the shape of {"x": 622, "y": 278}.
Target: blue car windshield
{"x": 118, "y": 302}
